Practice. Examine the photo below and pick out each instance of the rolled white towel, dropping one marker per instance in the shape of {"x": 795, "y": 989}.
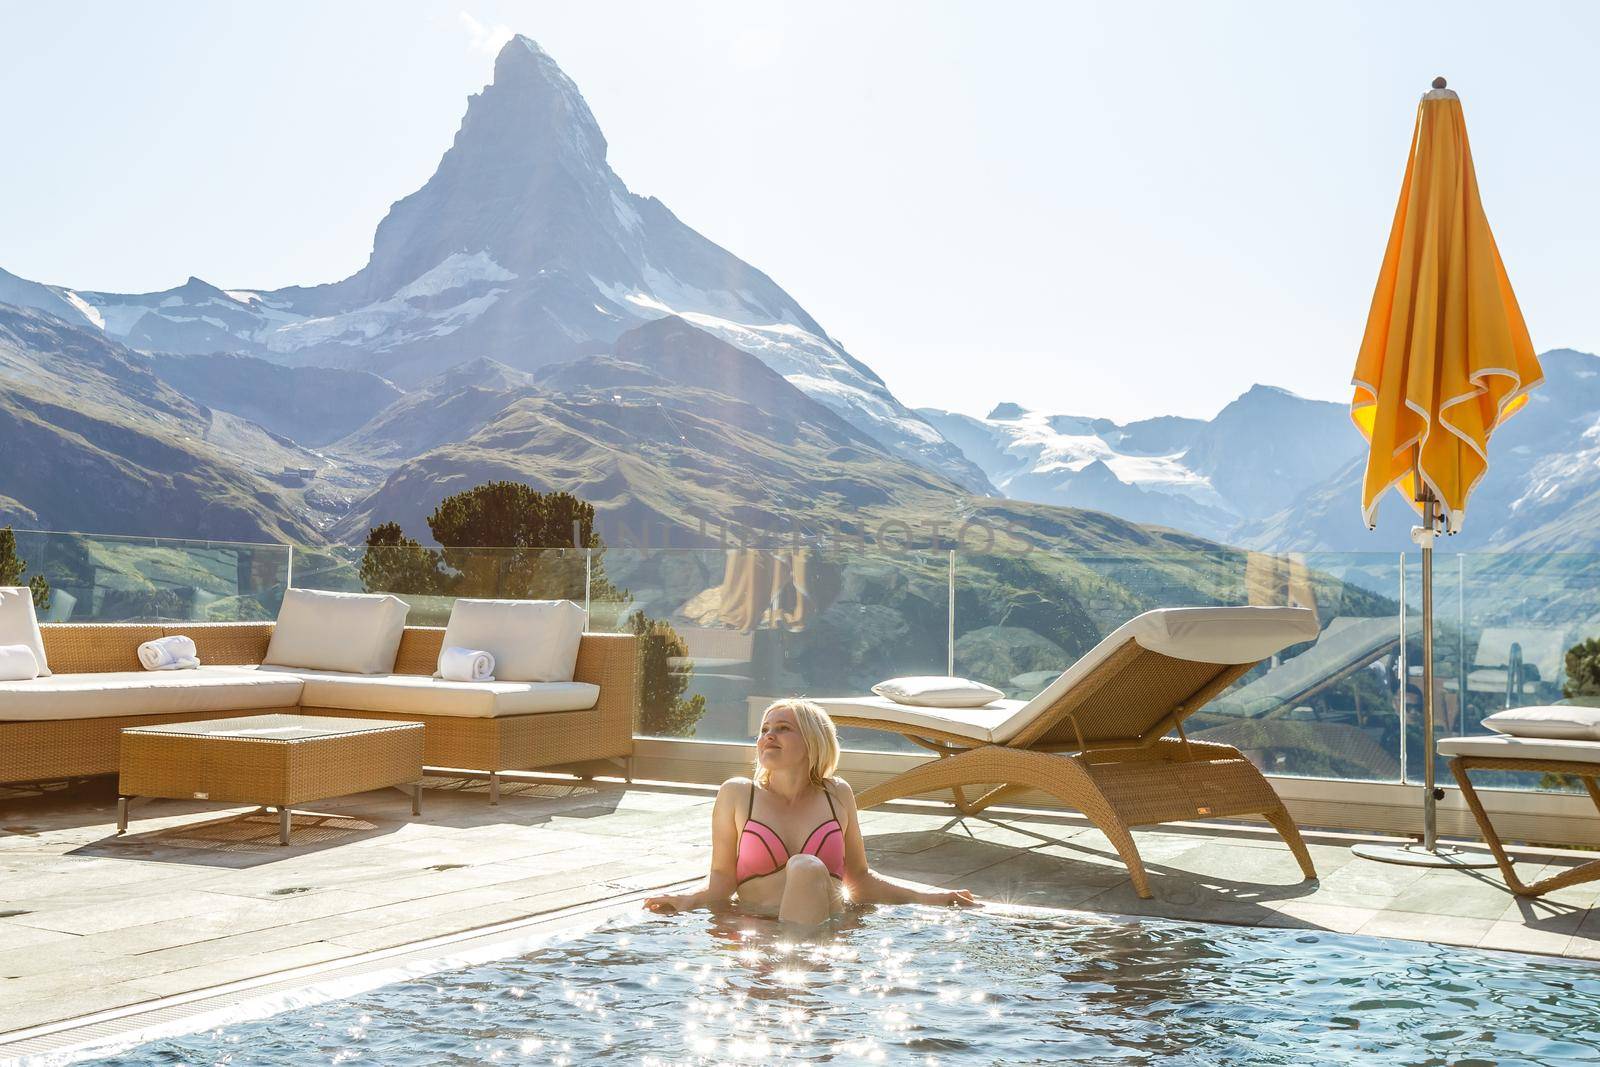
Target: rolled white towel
{"x": 169, "y": 654}
{"x": 466, "y": 665}
{"x": 18, "y": 663}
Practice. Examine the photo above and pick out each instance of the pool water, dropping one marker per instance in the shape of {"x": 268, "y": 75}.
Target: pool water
{"x": 918, "y": 986}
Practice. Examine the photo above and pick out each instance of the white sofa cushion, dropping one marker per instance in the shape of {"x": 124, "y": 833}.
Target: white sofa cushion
{"x": 18, "y": 663}
{"x": 19, "y": 625}
{"x": 1499, "y": 746}
{"x": 115, "y": 693}
{"x": 1556, "y": 720}
{"x": 321, "y": 631}
{"x": 531, "y": 640}
{"x": 416, "y": 694}
{"x": 928, "y": 691}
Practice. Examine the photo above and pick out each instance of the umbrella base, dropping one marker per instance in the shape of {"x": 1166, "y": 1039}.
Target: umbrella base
{"x": 1412, "y": 854}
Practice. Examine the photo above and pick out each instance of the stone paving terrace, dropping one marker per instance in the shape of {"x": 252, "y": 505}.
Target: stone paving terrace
{"x": 195, "y": 896}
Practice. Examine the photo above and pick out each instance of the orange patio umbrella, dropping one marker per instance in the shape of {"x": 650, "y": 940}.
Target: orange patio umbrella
{"x": 1444, "y": 361}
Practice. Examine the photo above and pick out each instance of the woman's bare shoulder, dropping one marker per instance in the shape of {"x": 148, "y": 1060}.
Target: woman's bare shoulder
{"x": 840, "y": 789}
{"x": 734, "y": 785}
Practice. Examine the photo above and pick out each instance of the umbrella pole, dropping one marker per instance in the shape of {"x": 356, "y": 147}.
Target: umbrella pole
{"x": 1427, "y": 852}
{"x": 1430, "y": 797}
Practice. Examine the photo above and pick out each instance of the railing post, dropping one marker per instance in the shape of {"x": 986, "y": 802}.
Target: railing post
{"x": 950, "y": 617}
{"x": 1461, "y": 643}
{"x": 1405, "y": 671}
{"x": 588, "y": 577}
{"x": 288, "y": 570}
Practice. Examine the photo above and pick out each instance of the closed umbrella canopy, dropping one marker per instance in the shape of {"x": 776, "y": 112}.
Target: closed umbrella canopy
{"x": 1445, "y": 359}
{"x": 1446, "y": 355}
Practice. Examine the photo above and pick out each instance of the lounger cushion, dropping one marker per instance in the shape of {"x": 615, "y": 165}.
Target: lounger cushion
{"x": 1499, "y": 746}
{"x": 19, "y": 625}
{"x": 1221, "y": 635}
{"x": 417, "y": 694}
{"x": 531, "y": 640}
{"x": 321, "y": 631}
{"x": 926, "y": 691}
{"x": 1557, "y": 720}
{"x": 1203, "y": 635}
{"x": 979, "y": 724}
{"x": 115, "y": 693}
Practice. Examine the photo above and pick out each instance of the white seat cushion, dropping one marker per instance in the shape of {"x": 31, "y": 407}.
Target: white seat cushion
{"x": 531, "y": 640}
{"x": 1499, "y": 746}
{"x": 19, "y": 625}
{"x": 320, "y": 631}
{"x": 418, "y": 694}
{"x": 114, "y": 693}
{"x": 977, "y": 723}
{"x": 928, "y": 691}
{"x": 1555, "y": 720}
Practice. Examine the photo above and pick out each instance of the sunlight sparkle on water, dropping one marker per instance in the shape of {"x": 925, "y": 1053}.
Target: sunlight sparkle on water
{"x": 978, "y": 988}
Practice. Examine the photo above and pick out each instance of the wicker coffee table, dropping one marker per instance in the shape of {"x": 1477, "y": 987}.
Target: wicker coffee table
{"x": 276, "y": 761}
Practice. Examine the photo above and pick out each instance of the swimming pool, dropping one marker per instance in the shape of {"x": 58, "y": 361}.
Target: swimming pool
{"x": 908, "y": 985}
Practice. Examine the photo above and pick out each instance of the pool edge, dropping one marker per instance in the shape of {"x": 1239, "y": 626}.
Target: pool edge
{"x": 105, "y": 1031}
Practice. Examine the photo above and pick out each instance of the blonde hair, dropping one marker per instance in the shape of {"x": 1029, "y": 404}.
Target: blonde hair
{"x": 817, "y": 730}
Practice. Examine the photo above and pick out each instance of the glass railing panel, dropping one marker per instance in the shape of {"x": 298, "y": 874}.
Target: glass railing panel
{"x": 751, "y": 625}
{"x": 430, "y": 579}
{"x": 1515, "y": 619}
{"x": 105, "y": 578}
{"x": 1324, "y": 708}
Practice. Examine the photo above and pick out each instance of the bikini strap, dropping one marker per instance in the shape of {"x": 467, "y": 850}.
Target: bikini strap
{"x": 831, "y": 809}
{"x": 751, "y": 810}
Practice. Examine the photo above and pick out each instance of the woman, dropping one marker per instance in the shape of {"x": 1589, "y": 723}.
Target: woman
{"x": 786, "y": 840}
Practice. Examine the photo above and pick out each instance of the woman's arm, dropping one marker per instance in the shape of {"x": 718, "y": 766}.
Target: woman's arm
{"x": 721, "y": 881}
{"x": 867, "y": 886}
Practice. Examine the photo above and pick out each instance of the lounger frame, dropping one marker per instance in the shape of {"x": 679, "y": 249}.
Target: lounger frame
{"x": 1585, "y": 772}
{"x": 1092, "y": 751}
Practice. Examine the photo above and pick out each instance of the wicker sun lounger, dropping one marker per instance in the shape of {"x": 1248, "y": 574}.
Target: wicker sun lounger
{"x": 1578, "y": 759}
{"x": 1095, "y": 738}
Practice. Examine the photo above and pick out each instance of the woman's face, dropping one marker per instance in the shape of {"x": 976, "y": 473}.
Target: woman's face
{"x": 779, "y": 745}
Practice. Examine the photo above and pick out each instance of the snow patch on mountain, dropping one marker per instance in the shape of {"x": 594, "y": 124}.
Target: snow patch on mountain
{"x": 457, "y": 271}
{"x": 1040, "y": 447}
{"x": 89, "y": 311}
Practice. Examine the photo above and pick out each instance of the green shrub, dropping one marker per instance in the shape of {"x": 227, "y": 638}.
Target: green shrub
{"x": 1583, "y": 669}
{"x": 12, "y": 569}
{"x": 663, "y": 712}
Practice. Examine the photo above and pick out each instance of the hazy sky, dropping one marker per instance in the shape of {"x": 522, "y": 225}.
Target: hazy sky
{"x": 1118, "y": 209}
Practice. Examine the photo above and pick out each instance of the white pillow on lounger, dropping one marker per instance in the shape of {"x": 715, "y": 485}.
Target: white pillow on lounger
{"x": 531, "y": 640}
{"x": 19, "y": 625}
{"x": 926, "y": 691}
{"x": 355, "y": 633}
{"x": 1557, "y": 721}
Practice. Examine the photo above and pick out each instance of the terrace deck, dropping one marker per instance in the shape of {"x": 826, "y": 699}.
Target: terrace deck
{"x": 198, "y": 897}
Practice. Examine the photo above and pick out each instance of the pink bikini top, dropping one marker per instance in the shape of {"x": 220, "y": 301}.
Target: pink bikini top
{"x": 762, "y": 851}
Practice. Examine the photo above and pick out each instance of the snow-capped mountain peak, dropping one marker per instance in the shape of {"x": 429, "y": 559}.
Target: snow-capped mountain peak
{"x": 526, "y": 247}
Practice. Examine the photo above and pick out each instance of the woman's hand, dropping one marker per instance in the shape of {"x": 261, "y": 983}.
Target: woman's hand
{"x": 669, "y": 905}
{"x": 941, "y": 898}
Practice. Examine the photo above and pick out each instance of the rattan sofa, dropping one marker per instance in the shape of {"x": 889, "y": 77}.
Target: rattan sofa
{"x": 87, "y": 743}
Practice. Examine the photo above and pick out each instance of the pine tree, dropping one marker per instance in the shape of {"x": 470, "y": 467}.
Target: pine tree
{"x": 395, "y": 563}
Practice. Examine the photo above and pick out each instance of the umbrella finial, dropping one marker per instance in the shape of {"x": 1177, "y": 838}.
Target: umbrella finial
{"x": 1439, "y": 83}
